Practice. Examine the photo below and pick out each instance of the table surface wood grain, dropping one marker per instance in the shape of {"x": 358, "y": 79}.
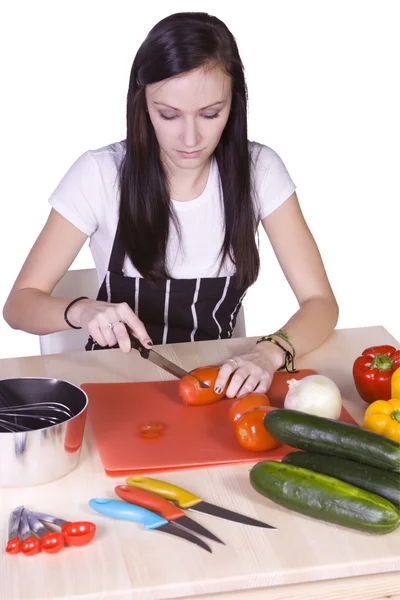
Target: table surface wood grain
{"x": 304, "y": 559}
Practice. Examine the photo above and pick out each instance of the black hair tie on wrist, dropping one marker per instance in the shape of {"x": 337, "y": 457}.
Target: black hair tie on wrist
{"x": 67, "y": 309}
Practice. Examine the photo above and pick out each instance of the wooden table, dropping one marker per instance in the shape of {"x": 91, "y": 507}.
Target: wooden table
{"x": 304, "y": 559}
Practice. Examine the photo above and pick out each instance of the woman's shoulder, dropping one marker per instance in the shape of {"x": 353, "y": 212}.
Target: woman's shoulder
{"x": 262, "y": 156}
{"x": 109, "y": 156}
{"x": 272, "y": 183}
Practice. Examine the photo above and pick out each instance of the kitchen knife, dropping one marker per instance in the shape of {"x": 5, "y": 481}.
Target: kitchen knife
{"x": 189, "y": 501}
{"x": 159, "y": 505}
{"x": 131, "y": 512}
{"x": 161, "y": 361}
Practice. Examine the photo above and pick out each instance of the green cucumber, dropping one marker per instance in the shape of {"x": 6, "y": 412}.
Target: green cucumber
{"x": 323, "y": 497}
{"x": 380, "y": 482}
{"x": 328, "y": 436}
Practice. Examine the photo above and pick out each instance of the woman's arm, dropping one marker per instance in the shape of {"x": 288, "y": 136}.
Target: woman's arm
{"x": 30, "y": 306}
{"x": 301, "y": 263}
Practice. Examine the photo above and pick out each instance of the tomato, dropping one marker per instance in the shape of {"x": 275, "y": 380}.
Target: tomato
{"x": 246, "y": 403}
{"x": 251, "y": 433}
{"x": 192, "y": 394}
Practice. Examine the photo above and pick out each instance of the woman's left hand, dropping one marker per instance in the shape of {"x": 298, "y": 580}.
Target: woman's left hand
{"x": 250, "y": 372}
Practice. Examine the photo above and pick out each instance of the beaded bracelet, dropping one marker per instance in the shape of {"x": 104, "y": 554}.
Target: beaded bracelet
{"x": 284, "y": 336}
{"x": 289, "y": 357}
{"x": 67, "y": 309}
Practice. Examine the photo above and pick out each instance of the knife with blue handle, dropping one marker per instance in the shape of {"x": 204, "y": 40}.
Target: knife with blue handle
{"x": 150, "y": 520}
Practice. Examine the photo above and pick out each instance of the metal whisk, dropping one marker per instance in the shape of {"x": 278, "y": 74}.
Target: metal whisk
{"x": 42, "y": 414}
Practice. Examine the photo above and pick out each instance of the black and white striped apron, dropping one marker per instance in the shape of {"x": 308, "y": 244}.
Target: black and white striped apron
{"x": 173, "y": 310}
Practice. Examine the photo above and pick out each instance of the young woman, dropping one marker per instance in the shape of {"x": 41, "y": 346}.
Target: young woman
{"x": 172, "y": 213}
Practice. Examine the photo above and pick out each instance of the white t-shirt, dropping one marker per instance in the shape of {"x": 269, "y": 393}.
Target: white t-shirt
{"x": 88, "y": 197}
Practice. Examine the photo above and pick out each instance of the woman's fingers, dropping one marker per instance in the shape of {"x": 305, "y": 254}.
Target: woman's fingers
{"x": 135, "y": 324}
{"x": 122, "y": 337}
{"x": 95, "y": 332}
{"x": 105, "y": 320}
{"x": 225, "y": 372}
{"x": 264, "y": 384}
{"x": 108, "y": 324}
{"x": 245, "y": 377}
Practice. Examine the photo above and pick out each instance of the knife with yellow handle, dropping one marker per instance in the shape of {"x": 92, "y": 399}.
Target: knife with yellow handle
{"x": 188, "y": 501}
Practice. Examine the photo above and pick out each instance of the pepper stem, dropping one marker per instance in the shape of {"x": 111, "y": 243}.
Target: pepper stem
{"x": 395, "y": 414}
{"x": 382, "y": 362}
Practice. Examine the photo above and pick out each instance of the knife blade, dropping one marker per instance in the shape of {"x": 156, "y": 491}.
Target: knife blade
{"x": 167, "y": 510}
{"x": 161, "y": 361}
{"x": 188, "y": 501}
{"x": 137, "y": 514}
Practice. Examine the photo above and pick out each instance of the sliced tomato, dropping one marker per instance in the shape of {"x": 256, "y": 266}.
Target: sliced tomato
{"x": 151, "y": 430}
{"x": 192, "y": 394}
{"x": 251, "y": 433}
{"x": 245, "y": 403}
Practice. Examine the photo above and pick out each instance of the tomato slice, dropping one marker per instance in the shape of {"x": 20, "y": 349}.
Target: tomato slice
{"x": 245, "y": 403}
{"x": 251, "y": 433}
{"x": 192, "y": 394}
{"x": 151, "y": 430}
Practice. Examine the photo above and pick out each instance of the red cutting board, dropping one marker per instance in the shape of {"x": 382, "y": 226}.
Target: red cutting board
{"x": 194, "y": 436}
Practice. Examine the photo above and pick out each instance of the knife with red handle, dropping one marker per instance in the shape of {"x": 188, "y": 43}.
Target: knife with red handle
{"x": 189, "y": 501}
{"x": 163, "y": 507}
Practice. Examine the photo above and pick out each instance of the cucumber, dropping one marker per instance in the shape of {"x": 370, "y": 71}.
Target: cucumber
{"x": 323, "y": 497}
{"x": 380, "y": 482}
{"x": 328, "y": 436}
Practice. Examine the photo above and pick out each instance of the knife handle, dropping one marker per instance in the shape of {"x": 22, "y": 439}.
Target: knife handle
{"x": 157, "y": 504}
{"x": 127, "y": 512}
{"x": 143, "y": 351}
{"x": 166, "y": 490}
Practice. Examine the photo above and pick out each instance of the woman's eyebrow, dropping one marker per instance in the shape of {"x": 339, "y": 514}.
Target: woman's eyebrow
{"x": 204, "y": 107}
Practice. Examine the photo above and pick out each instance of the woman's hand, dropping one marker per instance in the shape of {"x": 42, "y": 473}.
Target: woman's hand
{"x": 107, "y": 323}
{"x": 250, "y": 372}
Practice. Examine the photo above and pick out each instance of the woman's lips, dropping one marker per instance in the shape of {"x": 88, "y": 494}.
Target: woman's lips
{"x": 189, "y": 154}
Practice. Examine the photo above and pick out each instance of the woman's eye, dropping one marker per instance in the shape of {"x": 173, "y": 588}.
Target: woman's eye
{"x": 214, "y": 116}
{"x": 167, "y": 118}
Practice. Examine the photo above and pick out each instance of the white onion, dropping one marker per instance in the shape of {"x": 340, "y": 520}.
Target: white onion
{"x": 315, "y": 395}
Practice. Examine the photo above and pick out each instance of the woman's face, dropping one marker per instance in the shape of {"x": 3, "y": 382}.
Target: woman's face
{"x": 189, "y": 113}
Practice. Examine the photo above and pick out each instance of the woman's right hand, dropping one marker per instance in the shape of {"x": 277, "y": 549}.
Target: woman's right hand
{"x": 96, "y": 317}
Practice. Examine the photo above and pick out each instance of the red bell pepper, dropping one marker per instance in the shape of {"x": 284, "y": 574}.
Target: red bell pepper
{"x": 372, "y": 372}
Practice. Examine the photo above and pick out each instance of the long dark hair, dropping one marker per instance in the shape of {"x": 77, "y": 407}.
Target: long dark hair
{"x": 178, "y": 44}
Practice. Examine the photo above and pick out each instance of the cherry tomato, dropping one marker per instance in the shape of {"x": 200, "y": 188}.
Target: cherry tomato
{"x": 151, "y": 430}
{"x": 192, "y": 394}
{"x": 251, "y": 433}
{"x": 246, "y": 403}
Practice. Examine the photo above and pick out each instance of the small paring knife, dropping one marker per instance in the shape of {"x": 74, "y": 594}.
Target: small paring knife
{"x": 167, "y": 510}
{"x": 161, "y": 361}
{"x": 118, "y": 509}
{"x": 188, "y": 501}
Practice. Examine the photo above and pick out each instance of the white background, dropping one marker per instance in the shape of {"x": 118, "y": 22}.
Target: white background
{"x": 323, "y": 82}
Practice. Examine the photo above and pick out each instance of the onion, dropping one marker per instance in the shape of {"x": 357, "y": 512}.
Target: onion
{"x": 315, "y": 395}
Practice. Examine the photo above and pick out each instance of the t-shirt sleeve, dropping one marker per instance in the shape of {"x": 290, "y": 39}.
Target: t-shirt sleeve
{"x": 78, "y": 194}
{"x": 273, "y": 183}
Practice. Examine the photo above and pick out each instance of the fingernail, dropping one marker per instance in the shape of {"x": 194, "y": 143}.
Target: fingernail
{"x": 149, "y": 343}
{"x": 218, "y": 389}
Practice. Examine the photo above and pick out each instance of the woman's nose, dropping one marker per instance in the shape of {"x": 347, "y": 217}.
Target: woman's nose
{"x": 190, "y": 134}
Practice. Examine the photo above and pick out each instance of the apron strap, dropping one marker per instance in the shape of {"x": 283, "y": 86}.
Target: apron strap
{"x": 117, "y": 256}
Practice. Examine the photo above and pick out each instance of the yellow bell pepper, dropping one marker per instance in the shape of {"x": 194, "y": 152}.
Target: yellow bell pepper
{"x": 383, "y": 417}
{"x": 395, "y": 383}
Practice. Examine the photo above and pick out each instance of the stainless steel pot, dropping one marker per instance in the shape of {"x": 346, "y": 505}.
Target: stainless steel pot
{"x": 41, "y": 451}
